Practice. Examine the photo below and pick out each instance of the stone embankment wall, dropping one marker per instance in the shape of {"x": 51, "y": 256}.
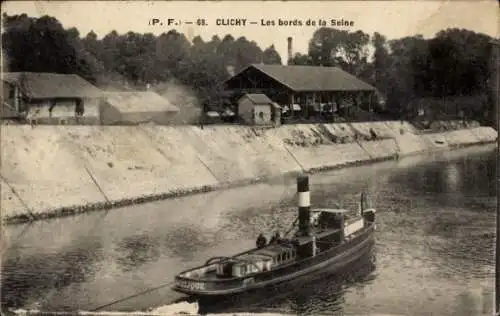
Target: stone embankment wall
{"x": 55, "y": 170}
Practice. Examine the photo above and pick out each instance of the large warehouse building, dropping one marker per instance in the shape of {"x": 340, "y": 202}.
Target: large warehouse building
{"x": 303, "y": 89}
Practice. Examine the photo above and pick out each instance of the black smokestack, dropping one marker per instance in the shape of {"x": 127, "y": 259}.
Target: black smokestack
{"x": 304, "y": 201}
{"x": 290, "y": 50}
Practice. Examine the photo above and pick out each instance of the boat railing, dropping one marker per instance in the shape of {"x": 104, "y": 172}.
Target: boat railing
{"x": 218, "y": 259}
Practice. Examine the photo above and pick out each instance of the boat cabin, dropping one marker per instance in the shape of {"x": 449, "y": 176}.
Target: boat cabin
{"x": 251, "y": 264}
{"x": 257, "y": 261}
{"x": 324, "y": 218}
{"x": 336, "y": 219}
{"x": 279, "y": 253}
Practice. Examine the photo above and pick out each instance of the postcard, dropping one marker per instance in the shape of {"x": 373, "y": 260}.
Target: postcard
{"x": 249, "y": 157}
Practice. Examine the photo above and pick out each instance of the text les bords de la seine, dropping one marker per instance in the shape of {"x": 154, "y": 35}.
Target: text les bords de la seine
{"x": 235, "y": 22}
{"x": 284, "y": 22}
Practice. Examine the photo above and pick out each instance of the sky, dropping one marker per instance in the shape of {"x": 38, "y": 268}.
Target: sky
{"x": 394, "y": 19}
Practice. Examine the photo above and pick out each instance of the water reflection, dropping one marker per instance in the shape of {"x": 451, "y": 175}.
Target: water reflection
{"x": 43, "y": 274}
{"x": 136, "y": 250}
{"x": 186, "y": 240}
{"x": 452, "y": 180}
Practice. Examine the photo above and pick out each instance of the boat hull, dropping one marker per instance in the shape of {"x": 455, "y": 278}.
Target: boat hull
{"x": 335, "y": 258}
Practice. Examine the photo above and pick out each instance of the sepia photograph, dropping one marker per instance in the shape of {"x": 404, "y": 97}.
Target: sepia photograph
{"x": 269, "y": 158}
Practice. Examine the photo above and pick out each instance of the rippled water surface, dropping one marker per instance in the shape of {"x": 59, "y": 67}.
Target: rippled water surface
{"x": 433, "y": 253}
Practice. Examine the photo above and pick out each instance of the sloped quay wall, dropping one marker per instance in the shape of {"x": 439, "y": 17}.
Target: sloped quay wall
{"x": 56, "y": 170}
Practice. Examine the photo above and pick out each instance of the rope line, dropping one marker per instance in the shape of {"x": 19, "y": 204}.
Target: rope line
{"x": 132, "y": 296}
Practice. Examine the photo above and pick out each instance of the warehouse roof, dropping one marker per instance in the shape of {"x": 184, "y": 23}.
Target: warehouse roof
{"x": 139, "y": 101}
{"x": 43, "y": 85}
{"x": 308, "y": 78}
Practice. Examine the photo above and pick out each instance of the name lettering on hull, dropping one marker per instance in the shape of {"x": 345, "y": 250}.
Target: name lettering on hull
{"x": 191, "y": 285}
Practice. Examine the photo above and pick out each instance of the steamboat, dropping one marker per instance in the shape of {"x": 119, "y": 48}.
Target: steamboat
{"x": 319, "y": 238}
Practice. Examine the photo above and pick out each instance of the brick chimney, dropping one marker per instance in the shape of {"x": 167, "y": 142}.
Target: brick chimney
{"x": 290, "y": 50}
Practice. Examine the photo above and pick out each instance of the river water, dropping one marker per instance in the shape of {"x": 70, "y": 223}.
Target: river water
{"x": 433, "y": 253}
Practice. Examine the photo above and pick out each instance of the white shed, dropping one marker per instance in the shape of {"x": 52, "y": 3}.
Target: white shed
{"x": 258, "y": 109}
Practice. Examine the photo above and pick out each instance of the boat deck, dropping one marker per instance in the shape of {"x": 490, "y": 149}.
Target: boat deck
{"x": 266, "y": 253}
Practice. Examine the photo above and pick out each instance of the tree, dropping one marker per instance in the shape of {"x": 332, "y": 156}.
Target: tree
{"x": 301, "y": 59}
{"x": 171, "y": 53}
{"x": 347, "y": 50}
{"x": 381, "y": 63}
{"x": 43, "y": 45}
{"x": 246, "y": 52}
{"x": 270, "y": 56}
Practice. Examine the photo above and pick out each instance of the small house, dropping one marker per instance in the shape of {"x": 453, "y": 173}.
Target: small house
{"x": 50, "y": 98}
{"x": 258, "y": 109}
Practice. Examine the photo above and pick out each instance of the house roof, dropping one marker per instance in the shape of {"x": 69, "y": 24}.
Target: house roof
{"x": 258, "y": 98}
{"x": 311, "y": 78}
{"x": 42, "y": 85}
{"x": 139, "y": 101}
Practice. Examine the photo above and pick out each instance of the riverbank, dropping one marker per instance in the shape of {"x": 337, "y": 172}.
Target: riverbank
{"x": 53, "y": 171}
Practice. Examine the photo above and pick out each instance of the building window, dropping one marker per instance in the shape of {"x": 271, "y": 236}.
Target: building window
{"x": 261, "y": 115}
{"x": 12, "y": 92}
